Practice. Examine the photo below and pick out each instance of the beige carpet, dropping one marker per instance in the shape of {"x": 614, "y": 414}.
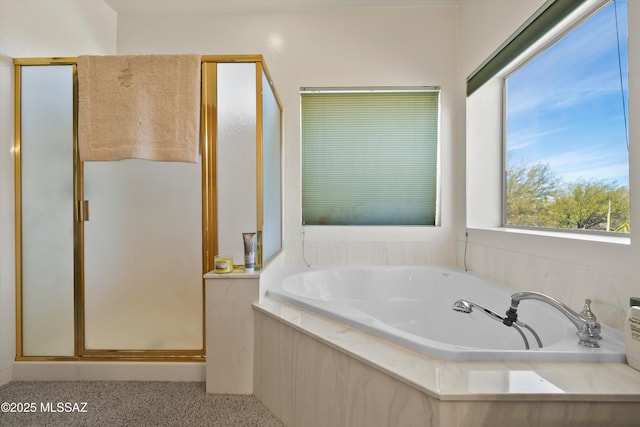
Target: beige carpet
{"x": 126, "y": 403}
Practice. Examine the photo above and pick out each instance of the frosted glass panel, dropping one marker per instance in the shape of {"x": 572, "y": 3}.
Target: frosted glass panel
{"x": 271, "y": 178}
{"x": 46, "y": 154}
{"x": 236, "y": 156}
{"x": 143, "y": 255}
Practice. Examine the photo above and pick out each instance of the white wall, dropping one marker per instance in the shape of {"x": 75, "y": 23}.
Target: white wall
{"x": 420, "y": 46}
{"x": 32, "y": 28}
{"x": 377, "y": 47}
{"x": 567, "y": 267}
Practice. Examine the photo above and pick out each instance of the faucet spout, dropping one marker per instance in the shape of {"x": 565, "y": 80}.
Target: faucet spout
{"x": 587, "y": 326}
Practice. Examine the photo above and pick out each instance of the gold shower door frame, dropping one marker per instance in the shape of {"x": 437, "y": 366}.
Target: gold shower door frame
{"x": 208, "y": 133}
{"x": 209, "y": 225}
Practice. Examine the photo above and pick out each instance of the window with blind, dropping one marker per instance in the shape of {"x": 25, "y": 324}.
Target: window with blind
{"x": 370, "y": 156}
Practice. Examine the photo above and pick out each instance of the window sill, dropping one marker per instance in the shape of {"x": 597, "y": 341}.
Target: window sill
{"x": 597, "y": 238}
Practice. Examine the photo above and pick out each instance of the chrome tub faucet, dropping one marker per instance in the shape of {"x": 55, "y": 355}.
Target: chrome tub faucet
{"x": 586, "y": 323}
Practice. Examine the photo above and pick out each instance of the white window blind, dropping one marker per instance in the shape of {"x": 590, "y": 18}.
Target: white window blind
{"x": 370, "y": 157}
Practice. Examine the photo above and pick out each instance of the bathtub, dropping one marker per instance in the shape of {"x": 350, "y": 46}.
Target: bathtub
{"x": 412, "y": 307}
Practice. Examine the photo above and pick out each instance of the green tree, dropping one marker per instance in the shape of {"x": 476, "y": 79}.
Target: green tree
{"x": 530, "y": 190}
{"x": 536, "y": 197}
{"x": 591, "y": 205}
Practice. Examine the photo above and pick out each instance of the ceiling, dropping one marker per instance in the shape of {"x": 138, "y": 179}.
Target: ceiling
{"x": 202, "y": 6}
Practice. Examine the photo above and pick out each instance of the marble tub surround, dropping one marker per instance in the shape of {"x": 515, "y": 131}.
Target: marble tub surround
{"x": 528, "y": 262}
{"x": 357, "y": 250}
{"x": 311, "y": 370}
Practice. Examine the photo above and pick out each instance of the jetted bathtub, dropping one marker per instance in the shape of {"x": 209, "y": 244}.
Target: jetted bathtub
{"x": 412, "y": 306}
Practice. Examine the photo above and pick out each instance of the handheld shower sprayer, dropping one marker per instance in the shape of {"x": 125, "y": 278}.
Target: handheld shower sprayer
{"x": 464, "y": 306}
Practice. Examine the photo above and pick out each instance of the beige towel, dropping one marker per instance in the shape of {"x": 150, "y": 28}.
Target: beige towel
{"x": 139, "y": 106}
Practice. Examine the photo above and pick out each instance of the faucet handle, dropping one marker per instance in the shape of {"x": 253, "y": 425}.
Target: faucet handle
{"x": 586, "y": 310}
{"x": 590, "y": 333}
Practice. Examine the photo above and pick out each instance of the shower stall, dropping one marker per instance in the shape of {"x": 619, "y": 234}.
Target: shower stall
{"x": 110, "y": 255}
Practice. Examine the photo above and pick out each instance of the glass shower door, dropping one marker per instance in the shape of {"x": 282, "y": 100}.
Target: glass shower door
{"x": 143, "y": 256}
{"x": 121, "y": 278}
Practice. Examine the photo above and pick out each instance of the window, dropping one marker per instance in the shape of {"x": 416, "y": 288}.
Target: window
{"x": 566, "y": 133}
{"x": 370, "y": 156}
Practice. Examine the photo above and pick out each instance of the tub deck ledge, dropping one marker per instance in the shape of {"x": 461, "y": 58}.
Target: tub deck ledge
{"x": 463, "y": 380}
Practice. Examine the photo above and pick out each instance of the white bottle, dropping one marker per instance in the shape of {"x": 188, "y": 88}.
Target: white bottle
{"x": 632, "y": 335}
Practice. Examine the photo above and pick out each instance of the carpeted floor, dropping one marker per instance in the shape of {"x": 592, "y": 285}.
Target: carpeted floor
{"x": 126, "y": 403}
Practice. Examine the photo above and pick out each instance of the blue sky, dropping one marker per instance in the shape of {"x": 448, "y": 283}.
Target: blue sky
{"x": 565, "y": 108}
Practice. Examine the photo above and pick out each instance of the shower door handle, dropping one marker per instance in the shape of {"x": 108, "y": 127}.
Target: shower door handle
{"x": 83, "y": 210}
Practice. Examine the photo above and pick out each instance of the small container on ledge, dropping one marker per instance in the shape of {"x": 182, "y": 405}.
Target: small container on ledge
{"x": 222, "y": 264}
